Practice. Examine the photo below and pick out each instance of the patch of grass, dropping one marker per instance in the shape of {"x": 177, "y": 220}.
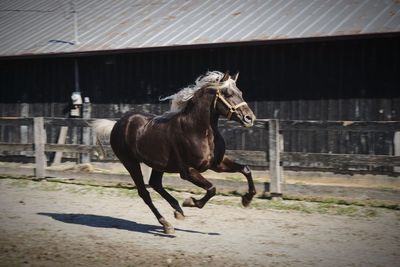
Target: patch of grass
{"x": 20, "y": 183}
{"x": 347, "y": 202}
{"x": 316, "y": 207}
{"x": 230, "y": 193}
{"x": 281, "y": 205}
{"x": 388, "y": 188}
{"x": 370, "y": 212}
{"x": 305, "y": 204}
{"x": 300, "y": 206}
{"x": 46, "y": 186}
{"x": 181, "y": 190}
{"x": 234, "y": 178}
{"x": 124, "y": 192}
{"x": 329, "y": 208}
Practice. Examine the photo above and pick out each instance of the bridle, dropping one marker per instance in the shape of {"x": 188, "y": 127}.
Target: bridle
{"x": 231, "y": 109}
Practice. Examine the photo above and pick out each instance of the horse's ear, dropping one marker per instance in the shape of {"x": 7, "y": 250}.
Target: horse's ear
{"x": 226, "y": 76}
{"x": 236, "y": 76}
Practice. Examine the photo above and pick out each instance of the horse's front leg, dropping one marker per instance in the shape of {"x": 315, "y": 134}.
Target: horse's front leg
{"x": 196, "y": 178}
{"x": 228, "y": 165}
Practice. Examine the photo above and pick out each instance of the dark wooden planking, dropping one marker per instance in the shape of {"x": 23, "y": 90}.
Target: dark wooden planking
{"x": 322, "y": 136}
{"x": 85, "y": 122}
{"x": 70, "y": 148}
{"x": 367, "y": 126}
{"x": 68, "y": 122}
{"x": 253, "y": 158}
{"x": 337, "y": 160}
{"x": 233, "y": 124}
{"x": 15, "y": 121}
{"x": 16, "y": 147}
{"x": 286, "y": 125}
{"x": 396, "y": 108}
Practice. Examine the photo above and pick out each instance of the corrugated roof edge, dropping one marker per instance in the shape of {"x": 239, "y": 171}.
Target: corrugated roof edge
{"x": 205, "y": 45}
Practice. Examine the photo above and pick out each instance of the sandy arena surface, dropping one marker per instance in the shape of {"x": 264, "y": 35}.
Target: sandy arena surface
{"x": 54, "y": 224}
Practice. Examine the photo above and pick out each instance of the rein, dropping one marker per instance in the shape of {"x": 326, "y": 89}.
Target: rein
{"x": 231, "y": 109}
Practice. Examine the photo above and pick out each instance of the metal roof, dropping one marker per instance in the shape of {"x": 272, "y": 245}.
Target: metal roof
{"x": 47, "y": 26}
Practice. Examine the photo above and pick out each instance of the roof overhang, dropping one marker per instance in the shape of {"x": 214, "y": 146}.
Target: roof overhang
{"x": 47, "y": 28}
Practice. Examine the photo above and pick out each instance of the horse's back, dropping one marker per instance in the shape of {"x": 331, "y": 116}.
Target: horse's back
{"x": 144, "y": 137}
{"x": 126, "y": 129}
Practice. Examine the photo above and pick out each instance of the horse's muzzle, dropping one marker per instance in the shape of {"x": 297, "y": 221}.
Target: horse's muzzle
{"x": 248, "y": 120}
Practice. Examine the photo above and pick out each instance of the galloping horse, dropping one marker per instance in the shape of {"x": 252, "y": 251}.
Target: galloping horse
{"x": 184, "y": 140}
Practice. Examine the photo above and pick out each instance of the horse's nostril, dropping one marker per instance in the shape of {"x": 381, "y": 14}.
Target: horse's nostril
{"x": 248, "y": 118}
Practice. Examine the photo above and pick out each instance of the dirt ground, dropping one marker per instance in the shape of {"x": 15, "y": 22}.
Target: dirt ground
{"x": 56, "y": 224}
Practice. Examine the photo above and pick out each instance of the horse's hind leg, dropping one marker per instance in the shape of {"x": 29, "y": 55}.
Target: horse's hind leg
{"x": 196, "y": 178}
{"x": 156, "y": 183}
{"x": 133, "y": 168}
{"x": 228, "y": 165}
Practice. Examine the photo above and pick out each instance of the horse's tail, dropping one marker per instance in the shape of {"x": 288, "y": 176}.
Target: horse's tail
{"x": 102, "y": 128}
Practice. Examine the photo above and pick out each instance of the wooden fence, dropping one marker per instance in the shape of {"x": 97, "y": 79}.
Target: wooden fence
{"x": 378, "y": 143}
{"x": 274, "y": 158}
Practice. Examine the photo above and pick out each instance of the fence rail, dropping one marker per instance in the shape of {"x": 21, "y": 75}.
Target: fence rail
{"x": 274, "y": 158}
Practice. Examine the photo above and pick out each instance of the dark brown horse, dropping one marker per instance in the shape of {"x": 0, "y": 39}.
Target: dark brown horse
{"x": 185, "y": 140}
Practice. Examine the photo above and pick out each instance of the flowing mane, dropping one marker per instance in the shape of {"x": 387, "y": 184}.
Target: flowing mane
{"x": 210, "y": 79}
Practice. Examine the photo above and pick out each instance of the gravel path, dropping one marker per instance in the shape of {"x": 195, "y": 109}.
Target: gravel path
{"x": 54, "y": 224}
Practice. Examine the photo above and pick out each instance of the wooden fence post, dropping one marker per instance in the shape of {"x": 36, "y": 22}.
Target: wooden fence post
{"x": 61, "y": 140}
{"x": 396, "y": 142}
{"x": 274, "y": 159}
{"x": 24, "y": 128}
{"x": 87, "y": 110}
{"x": 39, "y": 142}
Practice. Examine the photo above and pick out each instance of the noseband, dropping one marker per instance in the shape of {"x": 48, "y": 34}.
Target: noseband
{"x": 231, "y": 109}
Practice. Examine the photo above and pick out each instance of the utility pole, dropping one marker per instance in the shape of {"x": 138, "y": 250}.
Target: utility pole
{"x": 75, "y": 17}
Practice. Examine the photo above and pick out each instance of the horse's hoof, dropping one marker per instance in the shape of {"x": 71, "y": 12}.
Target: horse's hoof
{"x": 169, "y": 230}
{"x": 179, "y": 216}
{"x": 189, "y": 202}
{"x": 246, "y": 201}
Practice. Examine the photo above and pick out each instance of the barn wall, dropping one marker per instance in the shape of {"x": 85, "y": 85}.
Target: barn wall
{"x": 355, "y": 79}
{"x": 323, "y": 70}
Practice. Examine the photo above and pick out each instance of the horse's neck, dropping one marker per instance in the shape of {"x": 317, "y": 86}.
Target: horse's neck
{"x": 203, "y": 117}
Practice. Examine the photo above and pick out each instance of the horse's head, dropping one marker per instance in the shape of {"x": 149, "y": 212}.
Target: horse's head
{"x": 229, "y": 102}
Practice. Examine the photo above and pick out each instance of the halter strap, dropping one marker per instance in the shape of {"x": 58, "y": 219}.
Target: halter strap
{"x": 231, "y": 109}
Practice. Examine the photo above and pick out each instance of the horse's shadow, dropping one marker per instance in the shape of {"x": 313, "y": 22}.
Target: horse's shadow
{"x": 111, "y": 222}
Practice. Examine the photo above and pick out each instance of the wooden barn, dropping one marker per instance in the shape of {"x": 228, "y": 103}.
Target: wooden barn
{"x": 298, "y": 60}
